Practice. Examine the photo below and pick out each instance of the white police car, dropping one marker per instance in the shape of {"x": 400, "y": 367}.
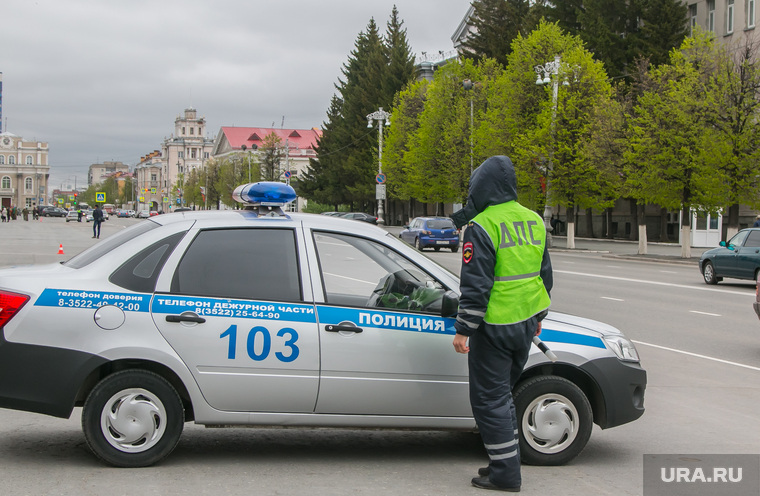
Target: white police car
{"x": 254, "y": 317}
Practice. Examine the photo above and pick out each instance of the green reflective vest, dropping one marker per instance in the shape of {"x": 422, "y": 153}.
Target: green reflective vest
{"x": 519, "y": 239}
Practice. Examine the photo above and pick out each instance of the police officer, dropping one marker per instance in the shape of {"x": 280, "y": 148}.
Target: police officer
{"x": 505, "y": 283}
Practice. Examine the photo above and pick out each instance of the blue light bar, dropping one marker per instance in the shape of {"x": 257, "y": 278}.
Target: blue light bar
{"x": 266, "y": 193}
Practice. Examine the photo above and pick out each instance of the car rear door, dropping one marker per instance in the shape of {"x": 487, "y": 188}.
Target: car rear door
{"x": 384, "y": 348}
{"x": 234, "y": 308}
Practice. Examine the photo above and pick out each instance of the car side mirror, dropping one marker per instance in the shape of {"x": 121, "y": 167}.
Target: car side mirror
{"x": 449, "y": 304}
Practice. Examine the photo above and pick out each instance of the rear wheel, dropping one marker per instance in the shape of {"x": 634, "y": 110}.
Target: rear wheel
{"x": 133, "y": 418}
{"x": 555, "y": 420}
{"x": 417, "y": 244}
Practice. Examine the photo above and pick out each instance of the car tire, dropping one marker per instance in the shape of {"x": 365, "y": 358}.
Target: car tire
{"x": 708, "y": 271}
{"x": 417, "y": 244}
{"x": 133, "y": 418}
{"x": 437, "y": 248}
{"x": 554, "y": 418}
{"x": 454, "y": 249}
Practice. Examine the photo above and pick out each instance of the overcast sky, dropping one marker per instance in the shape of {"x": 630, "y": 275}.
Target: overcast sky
{"x": 104, "y": 80}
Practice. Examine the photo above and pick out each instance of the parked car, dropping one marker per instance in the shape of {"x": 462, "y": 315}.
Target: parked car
{"x": 123, "y": 214}
{"x": 132, "y": 213}
{"x": 333, "y": 214}
{"x": 360, "y": 216}
{"x": 144, "y": 214}
{"x": 72, "y": 215}
{"x": 756, "y": 303}
{"x": 738, "y": 258}
{"x": 53, "y": 212}
{"x": 176, "y": 318}
{"x": 433, "y": 232}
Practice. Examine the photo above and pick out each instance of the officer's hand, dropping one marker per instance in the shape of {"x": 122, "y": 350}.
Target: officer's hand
{"x": 538, "y": 329}
{"x": 460, "y": 343}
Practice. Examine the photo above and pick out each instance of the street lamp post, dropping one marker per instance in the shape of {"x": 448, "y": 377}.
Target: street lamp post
{"x": 551, "y": 71}
{"x": 383, "y": 119}
{"x": 467, "y": 85}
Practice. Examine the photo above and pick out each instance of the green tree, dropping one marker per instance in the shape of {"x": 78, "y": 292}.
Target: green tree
{"x": 666, "y": 163}
{"x": 271, "y": 160}
{"x": 495, "y": 23}
{"x": 232, "y": 172}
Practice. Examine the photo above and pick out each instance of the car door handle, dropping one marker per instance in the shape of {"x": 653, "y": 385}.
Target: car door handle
{"x": 339, "y": 328}
{"x": 185, "y": 318}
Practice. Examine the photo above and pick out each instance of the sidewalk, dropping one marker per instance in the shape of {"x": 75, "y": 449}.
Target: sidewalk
{"x": 618, "y": 248}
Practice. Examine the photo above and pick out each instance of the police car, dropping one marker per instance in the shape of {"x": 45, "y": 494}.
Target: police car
{"x": 257, "y": 317}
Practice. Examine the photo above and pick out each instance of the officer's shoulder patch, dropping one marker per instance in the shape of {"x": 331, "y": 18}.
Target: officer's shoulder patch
{"x": 467, "y": 252}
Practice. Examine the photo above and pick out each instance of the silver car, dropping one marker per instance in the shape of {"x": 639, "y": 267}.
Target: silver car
{"x": 256, "y": 317}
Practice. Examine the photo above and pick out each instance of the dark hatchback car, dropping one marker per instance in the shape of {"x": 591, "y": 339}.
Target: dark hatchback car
{"x": 738, "y": 258}
{"x": 431, "y": 232}
{"x": 53, "y": 212}
{"x": 360, "y": 216}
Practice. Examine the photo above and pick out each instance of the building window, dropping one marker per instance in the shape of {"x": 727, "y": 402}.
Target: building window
{"x": 192, "y": 131}
{"x": 692, "y": 18}
{"x": 29, "y": 160}
{"x": 2, "y": 159}
{"x": 6, "y": 183}
{"x": 199, "y": 131}
{"x": 729, "y": 16}
{"x": 750, "y": 14}
{"x": 28, "y": 184}
{"x": 183, "y": 131}
{"x": 180, "y": 154}
{"x": 11, "y": 160}
{"x": 711, "y": 15}
{"x": 205, "y": 155}
{"x": 192, "y": 153}
{"x": 152, "y": 177}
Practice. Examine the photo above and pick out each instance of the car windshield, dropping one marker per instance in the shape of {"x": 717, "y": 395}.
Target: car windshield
{"x": 90, "y": 255}
{"x": 440, "y": 224}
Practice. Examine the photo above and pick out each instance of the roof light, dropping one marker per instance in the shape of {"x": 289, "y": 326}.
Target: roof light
{"x": 265, "y": 193}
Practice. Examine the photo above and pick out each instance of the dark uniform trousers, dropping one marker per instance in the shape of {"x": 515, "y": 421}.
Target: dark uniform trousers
{"x": 497, "y": 357}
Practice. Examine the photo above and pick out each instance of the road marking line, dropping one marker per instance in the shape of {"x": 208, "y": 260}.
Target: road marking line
{"x": 705, "y": 313}
{"x": 656, "y": 283}
{"x": 610, "y": 298}
{"x": 697, "y": 355}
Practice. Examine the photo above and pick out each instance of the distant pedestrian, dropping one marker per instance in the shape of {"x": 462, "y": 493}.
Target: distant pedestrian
{"x": 25, "y": 212}
{"x": 757, "y": 222}
{"x": 4, "y": 213}
{"x": 97, "y": 218}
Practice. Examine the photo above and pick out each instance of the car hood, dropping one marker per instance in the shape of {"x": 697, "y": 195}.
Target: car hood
{"x": 579, "y": 325}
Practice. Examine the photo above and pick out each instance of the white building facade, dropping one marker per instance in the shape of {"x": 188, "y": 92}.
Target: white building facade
{"x": 24, "y": 171}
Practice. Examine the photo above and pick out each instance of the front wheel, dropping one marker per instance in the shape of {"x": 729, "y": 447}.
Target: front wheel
{"x": 555, "y": 420}
{"x": 133, "y": 418}
{"x": 709, "y": 274}
{"x": 454, "y": 249}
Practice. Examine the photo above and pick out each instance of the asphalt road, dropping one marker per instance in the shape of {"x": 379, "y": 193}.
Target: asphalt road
{"x": 698, "y": 343}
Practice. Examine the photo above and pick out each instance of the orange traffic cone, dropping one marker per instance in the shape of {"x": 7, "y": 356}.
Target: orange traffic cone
{"x": 60, "y": 249}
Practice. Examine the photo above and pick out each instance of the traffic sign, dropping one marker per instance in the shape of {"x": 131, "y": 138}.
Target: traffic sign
{"x": 100, "y": 197}
{"x": 380, "y": 178}
{"x": 287, "y": 174}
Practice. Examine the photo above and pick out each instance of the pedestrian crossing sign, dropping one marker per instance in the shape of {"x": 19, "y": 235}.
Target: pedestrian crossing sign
{"x": 100, "y": 197}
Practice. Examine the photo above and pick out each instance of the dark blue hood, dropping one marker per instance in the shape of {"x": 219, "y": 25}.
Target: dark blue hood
{"x": 492, "y": 183}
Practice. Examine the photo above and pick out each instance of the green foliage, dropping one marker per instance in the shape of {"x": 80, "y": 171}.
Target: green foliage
{"x": 496, "y": 23}
{"x": 272, "y": 155}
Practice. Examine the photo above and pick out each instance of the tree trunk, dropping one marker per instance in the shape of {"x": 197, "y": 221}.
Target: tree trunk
{"x": 664, "y": 224}
{"x": 733, "y": 221}
{"x": 608, "y": 219}
{"x": 570, "y": 227}
{"x": 589, "y": 223}
{"x": 633, "y": 235}
{"x": 686, "y": 233}
{"x": 642, "y": 228}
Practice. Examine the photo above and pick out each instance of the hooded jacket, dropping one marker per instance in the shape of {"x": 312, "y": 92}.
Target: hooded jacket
{"x": 492, "y": 183}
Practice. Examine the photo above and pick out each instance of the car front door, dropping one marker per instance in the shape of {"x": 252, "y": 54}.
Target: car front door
{"x": 385, "y": 350}
{"x": 236, "y": 314}
{"x": 726, "y": 263}
{"x": 748, "y": 256}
